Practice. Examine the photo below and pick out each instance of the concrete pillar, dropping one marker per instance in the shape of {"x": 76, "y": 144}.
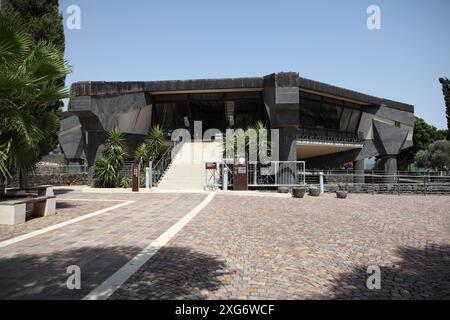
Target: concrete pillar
{"x": 390, "y": 167}
{"x": 281, "y": 97}
{"x": 359, "y": 171}
{"x": 288, "y": 144}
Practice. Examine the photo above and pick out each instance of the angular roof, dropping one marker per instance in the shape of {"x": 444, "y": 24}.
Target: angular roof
{"x": 99, "y": 88}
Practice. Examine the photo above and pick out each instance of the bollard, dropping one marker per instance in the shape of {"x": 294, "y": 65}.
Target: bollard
{"x": 147, "y": 178}
{"x": 224, "y": 177}
{"x": 322, "y": 188}
{"x": 150, "y": 174}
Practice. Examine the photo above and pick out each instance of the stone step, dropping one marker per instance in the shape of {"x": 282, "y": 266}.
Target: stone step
{"x": 190, "y": 176}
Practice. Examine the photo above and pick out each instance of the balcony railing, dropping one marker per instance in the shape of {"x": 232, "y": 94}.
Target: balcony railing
{"x": 328, "y": 135}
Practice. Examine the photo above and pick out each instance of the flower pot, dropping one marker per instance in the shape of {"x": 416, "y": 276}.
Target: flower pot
{"x": 283, "y": 190}
{"x": 2, "y": 191}
{"x": 341, "y": 194}
{"x": 314, "y": 192}
{"x": 298, "y": 192}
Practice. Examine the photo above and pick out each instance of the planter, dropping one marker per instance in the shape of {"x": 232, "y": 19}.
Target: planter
{"x": 2, "y": 191}
{"x": 341, "y": 194}
{"x": 314, "y": 192}
{"x": 299, "y": 192}
{"x": 283, "y": 190}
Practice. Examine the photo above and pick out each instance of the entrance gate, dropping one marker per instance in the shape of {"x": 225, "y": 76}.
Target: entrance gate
{"x": 273, "y": 175}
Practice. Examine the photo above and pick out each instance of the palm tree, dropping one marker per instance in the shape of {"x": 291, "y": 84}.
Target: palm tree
{"x": 115, "y": 148}
{"x": 108, "y": 166}
{"x": 105, "y": 173}
{"x": 29, "y": 82}
{"x": 262, "y": 136}
{"x": 150, "y": 149}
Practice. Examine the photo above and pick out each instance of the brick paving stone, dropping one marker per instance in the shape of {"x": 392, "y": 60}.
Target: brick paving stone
{"x": 312, "y": 248}
{"x": 65, "y": 210}
{"x": 36, "y": 268}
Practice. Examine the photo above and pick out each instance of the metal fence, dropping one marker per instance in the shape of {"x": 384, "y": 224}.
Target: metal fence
{"x": 275, "y": 174}
{"x": 376, "y": 182}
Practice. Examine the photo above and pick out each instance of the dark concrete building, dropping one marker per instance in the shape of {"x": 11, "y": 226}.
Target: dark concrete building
{"x": 322, "y": 124}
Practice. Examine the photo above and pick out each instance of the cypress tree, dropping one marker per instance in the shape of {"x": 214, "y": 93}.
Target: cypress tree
{"x": 40, "y": 18}
{"x": 446, "y": 90}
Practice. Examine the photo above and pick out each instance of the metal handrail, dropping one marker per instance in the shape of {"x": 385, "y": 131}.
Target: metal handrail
{"x": 329, "y": 135}
{"x": 161, "y": 166}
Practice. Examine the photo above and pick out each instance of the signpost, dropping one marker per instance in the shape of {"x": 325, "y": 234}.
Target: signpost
{"x": 240, "y": 174}
{"x": 136, "y": 171}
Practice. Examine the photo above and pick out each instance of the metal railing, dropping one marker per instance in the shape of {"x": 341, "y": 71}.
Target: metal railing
{"x": 329, "y": 135}
{"x": 376, "y": 182}
{"x": 158, "y": 168}
{"x": 275, "y": 174}
{"x": 164, "y": 162}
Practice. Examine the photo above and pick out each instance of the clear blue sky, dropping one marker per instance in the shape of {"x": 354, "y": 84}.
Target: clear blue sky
{"x": 325, "y": 40}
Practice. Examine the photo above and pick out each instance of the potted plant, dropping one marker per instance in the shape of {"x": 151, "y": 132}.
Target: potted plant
{"x": 314, "y": 192}
{"x": 341, "y": 194}
{"x": 299, "y": 192}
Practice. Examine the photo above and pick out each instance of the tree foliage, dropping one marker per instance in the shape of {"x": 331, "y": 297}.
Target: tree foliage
{"x": 107, "y": 167}
{"x": 29, "y": 83}
{"x": 115, "y": 148}
{"x": 43, "y": 21}
{"x": 105, "y": 174}
{"x": 256, "y": 133}
{"x": 446, "y": 90}
{"x": 150, "y": 149}
{"x": 40, "y": 18}
{"x": 436, "y": 156}
{"x": 424, "y": 135}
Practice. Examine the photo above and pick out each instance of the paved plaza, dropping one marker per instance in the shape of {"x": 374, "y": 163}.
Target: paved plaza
{"x": 237, "y": 247}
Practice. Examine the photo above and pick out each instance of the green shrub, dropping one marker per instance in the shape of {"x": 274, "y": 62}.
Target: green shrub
{"x": 115, "y": 148}
{"x": 151, "y": 148}
{"x": 114, "y": 154}
{"x": 436, "y": 156}
{"x": 126, "y": 182}
{"x": 105, "y": 174}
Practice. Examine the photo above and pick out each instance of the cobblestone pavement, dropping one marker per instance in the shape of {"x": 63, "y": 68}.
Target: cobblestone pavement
{"x": 243, "y": 247}
{"x": 65, "y": 210}
{"x": 35, "y": 268}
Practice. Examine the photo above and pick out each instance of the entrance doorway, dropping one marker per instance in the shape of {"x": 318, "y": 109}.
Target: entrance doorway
{"x": 210, "y": 113}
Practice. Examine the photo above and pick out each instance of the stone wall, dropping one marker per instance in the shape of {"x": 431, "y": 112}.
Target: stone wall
{"x": 389, "y": 188}
{"x": 65, "y": 179}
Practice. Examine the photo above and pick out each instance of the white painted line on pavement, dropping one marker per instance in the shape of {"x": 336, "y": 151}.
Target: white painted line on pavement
{"x": 60, "y": 225}
{"x": 114, "y": 282}
{"x": 90, "y": 200}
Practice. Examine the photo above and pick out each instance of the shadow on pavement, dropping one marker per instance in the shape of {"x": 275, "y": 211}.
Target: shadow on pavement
{"x": 172, "y": 273}
{"x": 175, "y": 273}
{"x": 422, "y": 274}
{"x": 61, "y": 191}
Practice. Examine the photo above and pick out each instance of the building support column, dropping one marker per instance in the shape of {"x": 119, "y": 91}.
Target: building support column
{"x": 288, "y": 144}
{"x": 281, "y": 98}
{"x": 390, "y": 167}
{"x": 359, "y": 171}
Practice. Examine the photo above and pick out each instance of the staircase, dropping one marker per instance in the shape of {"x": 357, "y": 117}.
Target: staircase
{"x": 187, "y": 171}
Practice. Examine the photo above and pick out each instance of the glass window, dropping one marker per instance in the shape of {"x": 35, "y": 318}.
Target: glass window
{"x": 345, "y": 119}
{"x": 354, "y": 121}
{"x": 171, "y": 115}
{"x": 330, "y": 116}
{"x": 328, "y": 113}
